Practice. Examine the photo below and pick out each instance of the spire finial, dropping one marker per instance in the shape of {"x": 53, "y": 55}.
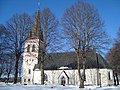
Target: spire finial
{"x": 39, "y": 4}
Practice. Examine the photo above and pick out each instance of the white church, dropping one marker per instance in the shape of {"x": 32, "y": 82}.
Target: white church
{"x": 61, "y": 67}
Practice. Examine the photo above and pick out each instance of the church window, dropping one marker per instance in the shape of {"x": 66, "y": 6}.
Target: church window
{"x": 24, "y": 80}
{"x": 109, "y": 76}
{"x": 28, "y": 80}
{"x": 28, "y": 48}
{"x": 45, "y": 77}
{"x": 33, "y": 48}
{"x": 83, "y": 76}
{"x": 27, "y": 61}
{"x": 29, "y": 71}
{"x": 63, "y": 78}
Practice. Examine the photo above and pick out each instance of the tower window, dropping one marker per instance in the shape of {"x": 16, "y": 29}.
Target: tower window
{"x": 28, "y": 48}
{"x": 29, "y": 71}
{"x": 30, "y": 34}
{"x": 28, "y": 80}
{"x": 33, "y": 48}
{"x": 24, "y": 80}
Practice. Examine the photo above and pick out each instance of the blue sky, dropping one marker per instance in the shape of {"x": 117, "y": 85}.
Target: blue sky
{"x": 109, "y": 10}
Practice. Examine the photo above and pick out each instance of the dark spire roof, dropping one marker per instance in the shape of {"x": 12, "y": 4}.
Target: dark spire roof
{"x": 36, "y": 29}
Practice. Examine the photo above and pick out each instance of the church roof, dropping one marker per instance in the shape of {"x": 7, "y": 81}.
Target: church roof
{"x": 68, "y": 59}
{"x": 64, "y": 73}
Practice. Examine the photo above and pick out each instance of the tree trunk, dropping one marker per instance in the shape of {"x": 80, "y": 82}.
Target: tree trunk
{"x": 42, "y": 72}
{"x": 41, "y": 57}
{"x": 83, "y": 75}
{"x": 114, "y": 78}
{"x": 117, "y": 80}
{"x": 1, "y": 72}
{"x": 8, "y": 75}
{"x": 98, "y": 77}
{"x": 42, "y": 67}
{"x": 81, "y": 85}
{"x": 16, "y": 69}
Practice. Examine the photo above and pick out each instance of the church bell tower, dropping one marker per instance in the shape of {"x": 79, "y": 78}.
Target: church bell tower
{"x": 30, "y": 57}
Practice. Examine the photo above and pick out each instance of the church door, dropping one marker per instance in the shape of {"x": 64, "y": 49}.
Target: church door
{"x": 63, "y": 81}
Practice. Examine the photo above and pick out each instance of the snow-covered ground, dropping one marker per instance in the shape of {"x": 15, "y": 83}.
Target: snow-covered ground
{"x": 52, "y": 87}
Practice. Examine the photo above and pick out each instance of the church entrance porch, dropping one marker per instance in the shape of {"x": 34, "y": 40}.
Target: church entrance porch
{"x": 63, "y": 78}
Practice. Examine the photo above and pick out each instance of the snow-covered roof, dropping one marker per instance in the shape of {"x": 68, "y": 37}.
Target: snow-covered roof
{"x": 64, "y": 68}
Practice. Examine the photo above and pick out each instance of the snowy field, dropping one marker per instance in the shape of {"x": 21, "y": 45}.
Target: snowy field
{"x": 52, "y": 87}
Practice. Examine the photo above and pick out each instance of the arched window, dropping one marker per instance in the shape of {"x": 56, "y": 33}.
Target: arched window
{"x": 63, "y": 78}
{"x": 28, "y": 48}
{"x": 45, "y": 77}
{"x": 29, "y": 71}
{"x": 24, "y": 80}
{"x": 28, "y": 80}
{"x": 109, "y": 76}
{"x": 83, "y": 76}
{"x": 33, "y": 48}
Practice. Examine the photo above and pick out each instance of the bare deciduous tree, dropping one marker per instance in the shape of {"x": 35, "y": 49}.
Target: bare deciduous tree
{"x": 49, "y": 34}
{"x": 83, "y": 28}
{"x": 113, "y": 57}
{"x": 20, "y": 66}
{"x": 9, "y": 65}
{"x": 2, "y": 66}
{"x": 3, "y": 37}
{"x": 17, "y": 27}
{"x": 117, "y": 40}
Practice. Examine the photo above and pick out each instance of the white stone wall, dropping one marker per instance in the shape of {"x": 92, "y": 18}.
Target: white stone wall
{"x": 36, "y": 77}
{"x": 29, "y": 60}
{"x": 91, "y": 76}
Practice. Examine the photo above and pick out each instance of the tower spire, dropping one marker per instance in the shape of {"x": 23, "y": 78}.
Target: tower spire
{"x": 38, "y": 4}
{"x": 36, "y": 29}
{"x": 35, "y": 32}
